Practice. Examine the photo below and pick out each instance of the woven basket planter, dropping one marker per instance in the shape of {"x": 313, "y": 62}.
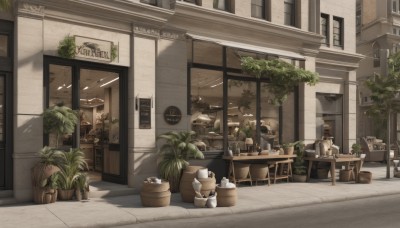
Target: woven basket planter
{"x": 185, "y": 186}
{"x": 207, "y": 185}
{"x": 155, "y": 195}
{"x": 299, "y": 178}
{"x": 242, "y": 170}
{"x": 226, "y": 197}
{"x": 64, "y": 194}
{"x": 364, "y": 177}
{"x": 345, "y": 175}
{"x": 322, "y": 173}
{"x": 288, "y": 150}
{"x": 258, "y": 171}
{"x": 44, "y": 196}
{"x": 155, "y": 199}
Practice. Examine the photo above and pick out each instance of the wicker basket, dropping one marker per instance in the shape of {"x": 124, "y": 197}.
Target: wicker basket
{"x": 155, "y": 199}
{"x": 241, "y": 170}
{"x": 154, "y": 187}
{"x": 364, "y": 177}
{"x": 185, "y": 186}
{"x": 345, "y": 175}
{"x": 226, "y": 197}
{"x": 322, "y": 173}
{"x": 258, "y": 171}
{"x": 200, "y": 202}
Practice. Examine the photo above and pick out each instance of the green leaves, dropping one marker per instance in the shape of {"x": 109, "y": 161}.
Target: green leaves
{"x": 67, "y": 47}
{"x": 72, "y": 163}
{"x": 178, "y": 148}
{"x": 284, "y": 76}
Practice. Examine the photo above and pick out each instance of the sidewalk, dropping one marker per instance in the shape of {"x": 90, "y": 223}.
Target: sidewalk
{"x": 106, "y": 212}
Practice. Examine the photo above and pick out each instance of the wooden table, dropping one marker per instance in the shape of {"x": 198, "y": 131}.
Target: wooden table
{"x": 249, "y": 158}
{"x": 333, "y": 161}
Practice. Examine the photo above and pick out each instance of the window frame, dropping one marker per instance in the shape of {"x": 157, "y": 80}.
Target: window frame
{"x": 327, "y": 26}
{"x": 340, "y": 22}
{"x": 227, "y": 8}
{"x": 395, "y": 6}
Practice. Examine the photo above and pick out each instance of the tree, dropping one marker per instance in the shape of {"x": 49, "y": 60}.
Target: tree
{"x": 385, "y": 96}
{"x": 284, "y": 77}
{"x": 5, "y": 5}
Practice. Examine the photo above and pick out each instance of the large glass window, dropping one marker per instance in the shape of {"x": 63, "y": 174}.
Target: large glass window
{"x": 325, "y": 28}
{"x": 224, "y": 5}
{"x": 338, "y": 31}
{"x": 289, "y": 12}
{"x": 207, "y": 108}
{"x": 330, "y": 117}
{"x": 231, "y": 109}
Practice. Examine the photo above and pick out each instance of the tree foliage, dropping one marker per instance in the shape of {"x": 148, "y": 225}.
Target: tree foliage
{"x": 284, "y": 77}
{"x": 5, "y": 5}
{"x": 385, "y": 90}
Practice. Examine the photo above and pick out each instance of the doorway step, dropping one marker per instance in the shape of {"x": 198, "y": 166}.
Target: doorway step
{"x": 6, "y": 197}
{"x": 103, "y": 189}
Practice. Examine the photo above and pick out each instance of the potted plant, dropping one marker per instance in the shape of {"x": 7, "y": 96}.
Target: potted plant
{"x": 51, "y": 185}
{"x": 50, "y": 158}
{"x": 82, "y": 186}
{"x": 356, "y": 149}
{"x": 178, "y": 148}
{"x": 71, "y": 171}
{"x": 299, "y": 167}
{"x": 288, "y": 148}
{"x": 59, "y": 120}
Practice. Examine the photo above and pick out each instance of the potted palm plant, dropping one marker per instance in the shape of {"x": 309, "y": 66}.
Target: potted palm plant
{"x": 174, "y": 155}
{"x": 71, "y": 171}
{"x": 59, "y": 120}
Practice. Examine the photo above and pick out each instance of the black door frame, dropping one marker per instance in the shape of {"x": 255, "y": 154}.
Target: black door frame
{"x": 76, "y": 66}
{"x": 6, "y": 71}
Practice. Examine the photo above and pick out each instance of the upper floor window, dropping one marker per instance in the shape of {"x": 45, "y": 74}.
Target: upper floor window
{"x": 258, "y": 9}
{"x": 325, "y": 28}
{"x": 338, "y": 31}
{"x": 159, "y": 3}
{"x": 358, "y": 18}
{"x": 197, "y": 2}
{"x": 377, "y": 56}
{"x": 290, "y": 10}
{"x": 4, "y": 46}
{"x": 224, "y": 5}
{"x": 395, "y": 6}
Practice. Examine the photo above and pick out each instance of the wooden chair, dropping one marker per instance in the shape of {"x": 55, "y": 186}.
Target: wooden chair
{"x": 282, "y": 170}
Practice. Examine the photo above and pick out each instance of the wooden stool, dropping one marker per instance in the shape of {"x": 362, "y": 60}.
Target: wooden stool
{"x": 279, "y": 174}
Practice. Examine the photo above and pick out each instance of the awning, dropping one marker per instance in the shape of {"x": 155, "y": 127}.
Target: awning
{"x": 248, "y": 47}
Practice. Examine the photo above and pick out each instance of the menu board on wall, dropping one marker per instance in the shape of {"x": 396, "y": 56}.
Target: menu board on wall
{"x": 144, "y": 113}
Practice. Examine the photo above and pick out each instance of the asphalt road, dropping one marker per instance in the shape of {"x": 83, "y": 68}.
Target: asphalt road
{"x": 378, "y": 212}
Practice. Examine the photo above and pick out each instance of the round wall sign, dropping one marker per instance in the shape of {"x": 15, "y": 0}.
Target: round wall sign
{"x": 172, "y": 115}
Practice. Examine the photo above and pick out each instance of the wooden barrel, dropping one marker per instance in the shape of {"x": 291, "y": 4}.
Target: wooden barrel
{"x": 226, "y": 197}
{"x": 155, "y": 199}
{"x": 258, "y": 171}
{"x": 155, "y": 195}
{"x": 241, "y": 170}
{"x": 364, "y": 177}
{"x": 185, "y": 186}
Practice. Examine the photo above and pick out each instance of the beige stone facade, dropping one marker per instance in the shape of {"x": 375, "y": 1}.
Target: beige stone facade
{"x": 152, "y": 44}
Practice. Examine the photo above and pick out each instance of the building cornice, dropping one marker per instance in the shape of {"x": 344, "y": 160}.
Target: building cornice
{"x": 339, "y": 59}
{"x": 224, "y": 24}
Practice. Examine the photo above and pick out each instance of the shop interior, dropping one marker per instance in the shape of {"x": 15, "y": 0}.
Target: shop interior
{"x": 98, "y": 114}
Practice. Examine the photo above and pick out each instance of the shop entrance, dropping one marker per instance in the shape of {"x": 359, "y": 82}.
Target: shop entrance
{"x": 98, "y": 92}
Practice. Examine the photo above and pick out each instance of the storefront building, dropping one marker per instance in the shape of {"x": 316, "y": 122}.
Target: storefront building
{"x": 143, "y": 68}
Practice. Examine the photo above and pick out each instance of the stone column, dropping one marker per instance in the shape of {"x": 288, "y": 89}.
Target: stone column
{"x": 307, "y": 106}
{"x": 28, "y": 89}
{"x": 141, "y": 142}
{"x": 350, "y": 111}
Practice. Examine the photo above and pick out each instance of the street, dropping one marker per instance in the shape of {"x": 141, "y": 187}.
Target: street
{"x": 371, "y": 212}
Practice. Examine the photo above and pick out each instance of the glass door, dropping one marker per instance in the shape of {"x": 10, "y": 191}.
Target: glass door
{"x": 100, "y": 120}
